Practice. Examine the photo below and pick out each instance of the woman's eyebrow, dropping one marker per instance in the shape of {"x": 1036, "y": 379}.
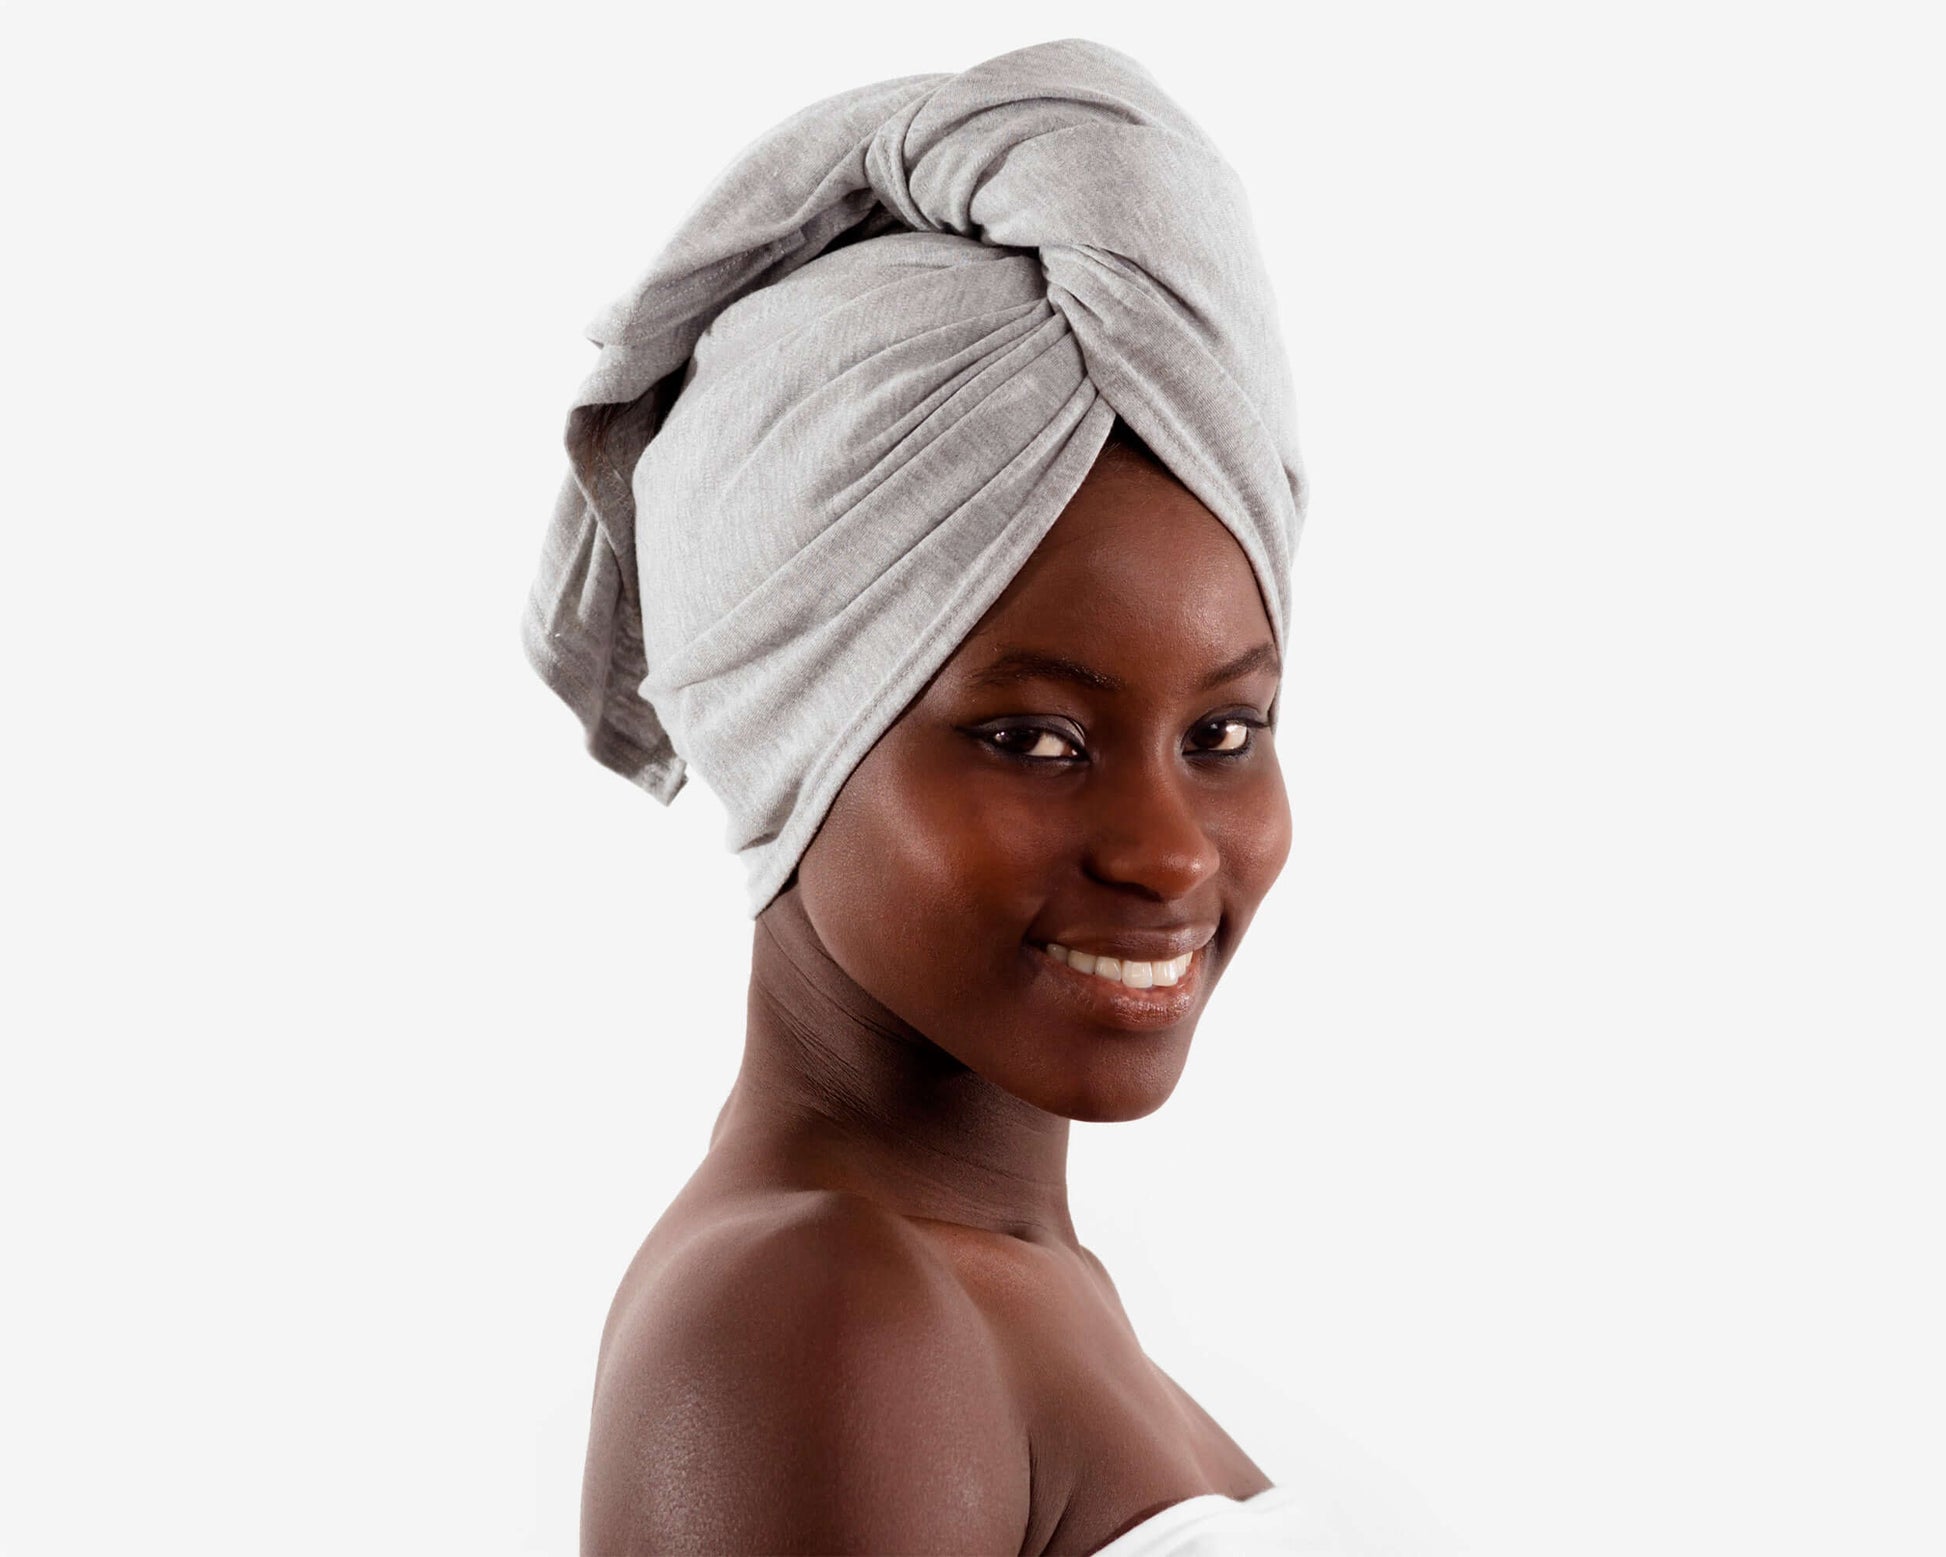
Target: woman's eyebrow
{"x": 1016, "y": 665}
{"x": 1263, "y": 657}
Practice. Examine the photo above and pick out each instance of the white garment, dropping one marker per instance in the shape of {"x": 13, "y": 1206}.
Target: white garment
{"x": 1276, "y": 1522}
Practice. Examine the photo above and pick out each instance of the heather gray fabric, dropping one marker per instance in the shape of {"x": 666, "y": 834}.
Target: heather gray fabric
{"x": 857, "y": 388}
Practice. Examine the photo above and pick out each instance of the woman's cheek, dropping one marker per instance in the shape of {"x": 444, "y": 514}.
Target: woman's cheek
{"x": 1004, "y": 824}
{"x": 1256, "y": 835}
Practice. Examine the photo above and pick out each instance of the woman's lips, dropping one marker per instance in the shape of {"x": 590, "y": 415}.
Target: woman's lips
{"x": 1112, "y": 1003}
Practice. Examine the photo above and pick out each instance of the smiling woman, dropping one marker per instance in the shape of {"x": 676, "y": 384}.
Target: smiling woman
{"x": 935, "y": 495}
{"x": 1092, "y": 769}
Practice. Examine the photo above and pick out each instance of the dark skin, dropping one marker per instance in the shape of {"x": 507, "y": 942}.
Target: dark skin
{"x": 866, "y": 1324}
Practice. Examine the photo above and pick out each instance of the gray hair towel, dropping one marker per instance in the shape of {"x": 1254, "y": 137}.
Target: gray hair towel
{"x": 860, "y": 384}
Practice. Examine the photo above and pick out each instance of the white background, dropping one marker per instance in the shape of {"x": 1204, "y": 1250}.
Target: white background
{"x": 1560, "y": 1164}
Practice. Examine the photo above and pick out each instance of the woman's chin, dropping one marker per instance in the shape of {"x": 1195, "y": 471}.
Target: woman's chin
{"x": 1105, "y": 1089}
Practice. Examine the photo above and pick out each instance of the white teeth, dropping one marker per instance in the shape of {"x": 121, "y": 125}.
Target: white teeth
{"x": 1132, "y": 975}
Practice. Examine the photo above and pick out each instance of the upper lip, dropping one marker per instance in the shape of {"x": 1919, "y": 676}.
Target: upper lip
{"x": 1135, "y": 945}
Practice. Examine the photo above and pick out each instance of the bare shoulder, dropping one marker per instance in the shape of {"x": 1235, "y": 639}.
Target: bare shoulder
{"x": 808, "y": 1379}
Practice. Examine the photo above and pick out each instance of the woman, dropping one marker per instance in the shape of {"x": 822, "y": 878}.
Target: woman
{"x": 878, "y": 515}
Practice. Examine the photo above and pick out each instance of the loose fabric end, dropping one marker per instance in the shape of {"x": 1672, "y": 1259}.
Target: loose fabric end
{"x": 624, "y": 737}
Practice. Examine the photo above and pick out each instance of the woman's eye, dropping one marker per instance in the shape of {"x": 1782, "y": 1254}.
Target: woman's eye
{"x": 1233, "y": 736}
{"x": 1032, "y": 742}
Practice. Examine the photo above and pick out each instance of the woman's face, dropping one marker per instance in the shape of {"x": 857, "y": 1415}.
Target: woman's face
{"x": 1092, "y": 768}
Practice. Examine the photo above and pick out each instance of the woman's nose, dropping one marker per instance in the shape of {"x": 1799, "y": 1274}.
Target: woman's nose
{"x": 1145, "y": 830}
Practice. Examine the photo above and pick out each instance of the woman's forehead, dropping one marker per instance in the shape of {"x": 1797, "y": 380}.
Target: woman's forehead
{"x": 1134, "y": 568}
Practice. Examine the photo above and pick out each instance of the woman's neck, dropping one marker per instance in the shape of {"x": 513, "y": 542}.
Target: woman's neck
{"x": 850, "y": 1097}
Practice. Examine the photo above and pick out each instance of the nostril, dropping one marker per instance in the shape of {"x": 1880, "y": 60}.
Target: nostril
{"x": 1169, "y": 865}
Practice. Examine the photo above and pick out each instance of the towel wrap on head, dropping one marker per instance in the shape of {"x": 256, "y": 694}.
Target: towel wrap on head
{"x": 859, "y": 386}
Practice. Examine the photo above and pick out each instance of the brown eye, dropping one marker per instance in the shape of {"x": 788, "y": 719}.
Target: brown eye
{"x": 1232, "y": 737}
{"x": 1032, "y": 743}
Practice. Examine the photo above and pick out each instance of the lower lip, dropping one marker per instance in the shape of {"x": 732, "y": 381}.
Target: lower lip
{"x": 1114, "y": 1003}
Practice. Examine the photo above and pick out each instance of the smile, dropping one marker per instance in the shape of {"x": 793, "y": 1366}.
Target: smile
{"x": 1162, "y": 992}
{"x": 1121, "y": 970}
